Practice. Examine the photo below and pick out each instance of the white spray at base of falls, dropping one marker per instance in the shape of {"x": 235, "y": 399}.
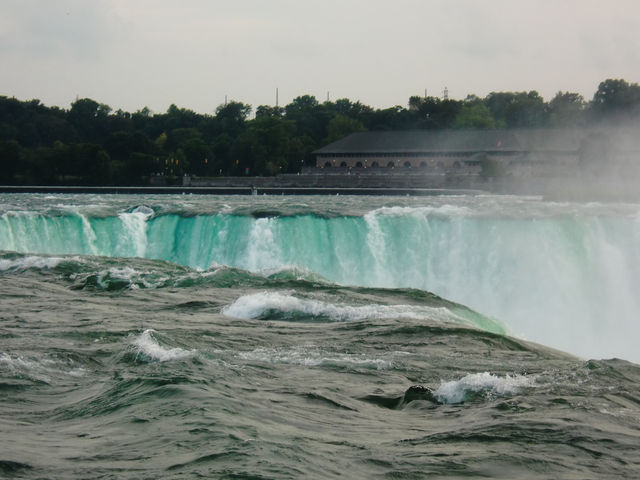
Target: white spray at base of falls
{"x": 567, "y": 278}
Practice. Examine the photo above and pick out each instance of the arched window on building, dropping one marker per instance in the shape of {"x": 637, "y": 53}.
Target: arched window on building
{"x": 407, "y": 164}
{"x": 327, "y": 164}
{"x": 423, "y": 164}
{"x": 391, "y": 164}
{"x": 343, "y": 164}
{"x": 374, "y": 165}
{"x": 358, "y": 164}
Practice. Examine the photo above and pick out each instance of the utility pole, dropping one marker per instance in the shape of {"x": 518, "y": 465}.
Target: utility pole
{"x": 276, "y": 96}
{"x": 445, "y": 94}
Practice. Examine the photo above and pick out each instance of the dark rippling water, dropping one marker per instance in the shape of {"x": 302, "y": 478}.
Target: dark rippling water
{"x": 204, "y": 337}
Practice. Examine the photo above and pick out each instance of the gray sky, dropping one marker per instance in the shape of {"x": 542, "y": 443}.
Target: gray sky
{"x": 135, "y": 53}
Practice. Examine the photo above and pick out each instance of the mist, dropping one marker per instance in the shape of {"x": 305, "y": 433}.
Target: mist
{"x": 588, "y": 164}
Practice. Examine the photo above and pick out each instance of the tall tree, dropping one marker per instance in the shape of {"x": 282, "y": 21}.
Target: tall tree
{"x": 340, "y": 126}
{"x": 232, "y": 117}
{"x": 567, "y": 110}
{"x": 89, "y": 119}
{"x": 269, "y": 111}
{"x": 497, "y": 103}
{"x": 616, "y": 99}
{"x": 474, "y": 115}
{"x": 307, "y": 114}
{"x": 263, "y": 147}
{"x": 10, "y": 160}
{"x": 526, "y": 110}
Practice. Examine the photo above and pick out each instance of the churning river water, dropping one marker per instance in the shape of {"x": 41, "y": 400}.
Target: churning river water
{"x": 318, "y": 337}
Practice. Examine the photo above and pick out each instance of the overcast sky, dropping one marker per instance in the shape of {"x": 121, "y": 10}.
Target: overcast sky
{"x": 135, "y": 53}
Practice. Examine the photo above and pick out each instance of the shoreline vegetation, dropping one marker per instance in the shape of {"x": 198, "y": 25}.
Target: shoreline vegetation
{"x": 91, "y": 145}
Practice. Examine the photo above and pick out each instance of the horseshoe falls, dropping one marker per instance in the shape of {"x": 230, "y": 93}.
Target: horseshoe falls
{"x": 318, "y": 336}
{"x": 566, "y": 276}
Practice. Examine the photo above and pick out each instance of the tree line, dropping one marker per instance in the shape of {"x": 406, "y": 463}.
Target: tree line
{"x": 91, "y": 144}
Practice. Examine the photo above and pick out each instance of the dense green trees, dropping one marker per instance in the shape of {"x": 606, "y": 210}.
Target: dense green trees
{"x": 474, "y": 113}
{"x": 616, "y": 100}
{"x": 567, "y": 110}
{"x": 91, "y": 144}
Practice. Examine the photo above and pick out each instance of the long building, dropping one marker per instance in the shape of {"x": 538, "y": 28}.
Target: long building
{"x": 447, "y": 150}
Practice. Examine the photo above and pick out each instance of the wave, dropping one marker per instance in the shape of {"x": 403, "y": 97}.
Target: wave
{"x": 481, "y": 385}
{"x": 19, "y": 263}
{"x": 283, "y": 306}
{"x": 471, "y": 388}
{"x": 147, "y": 346}
{"x": 43, "y": 369}
{"x": 116, "y": 274}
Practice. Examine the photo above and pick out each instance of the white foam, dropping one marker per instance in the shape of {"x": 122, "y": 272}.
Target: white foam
{"x": 134, "y": 235}
{"x": 31, "y": 261}
{"x": 89, "y": 234}
{"x": 144, "y": 210}
{"x": 147, "y": 345}
{"x": 377, "y": 246}
{"x": 41, "y": 369}
{"x": 424, "y": 211}
{"x": 255, "y": 305}
{"x": 456, "y": 390}
{"x": 134, "y": 278}
{"x": 311, "y": 356}
{"x": 300, "y": 273}
{"x": 127, "y": 274}
{"x": 263, "y": 252}
{"x": 214, "y": 267}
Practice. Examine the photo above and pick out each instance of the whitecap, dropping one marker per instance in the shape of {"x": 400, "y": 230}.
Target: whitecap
{"x": 456, "y": 391}
{"x": 256, "y": 305}
{"x": 293, "y": 271}
{"x": 41, "y": 369}
{"x": 144, "y": 210}
{"x": 125, "y": 277}
{"x": 25, "y": 263}
{"x": 147, "y": 345}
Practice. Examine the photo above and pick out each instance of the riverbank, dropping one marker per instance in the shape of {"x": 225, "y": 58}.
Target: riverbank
{"x": 242, "y": 190}
{"x": 559, "y": 185}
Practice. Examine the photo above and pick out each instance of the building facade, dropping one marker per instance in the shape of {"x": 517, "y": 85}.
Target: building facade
{"x": 418, "y": 150}
{"x": 451, "y": 150}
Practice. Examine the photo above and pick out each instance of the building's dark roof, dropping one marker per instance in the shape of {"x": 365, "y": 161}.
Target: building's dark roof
{"x": 418, "y": 141}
